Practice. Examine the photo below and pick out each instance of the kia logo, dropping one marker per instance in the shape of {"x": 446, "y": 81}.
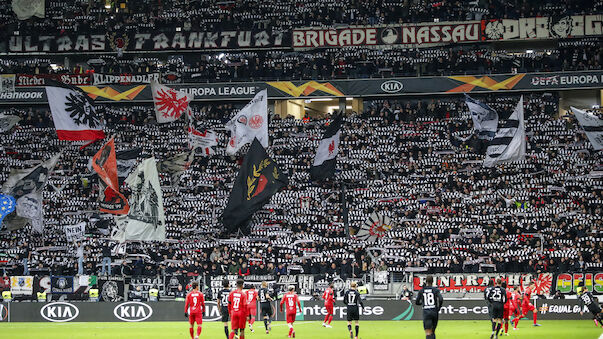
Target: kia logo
{"x": 132, "y": 311}
{"x": 59, "y": 312}
{"x": 392, "y": 86}
{"x": 212, "y": 312}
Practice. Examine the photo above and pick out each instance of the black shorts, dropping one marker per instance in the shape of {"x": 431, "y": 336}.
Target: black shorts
{"x": 224, "y": 313}
{"x": 594, "y": 309}
{"x": 497, "y": 311}
{"x": 265, "y": 310}
{"x": 353, "y": 314}
{"x": 430, "y": 320}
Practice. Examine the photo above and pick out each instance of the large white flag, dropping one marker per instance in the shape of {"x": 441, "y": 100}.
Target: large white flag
{"x": 251, "y": 122}
{"x": 485, "y": 119}
{"x": 146, "y": 219}
{"x": 509, "y": 144}
{"x": 73, "y": 112}
{"x": 170, "y": 104}
{"x": 592, "y": 125}
{"x": 25, "y": 9}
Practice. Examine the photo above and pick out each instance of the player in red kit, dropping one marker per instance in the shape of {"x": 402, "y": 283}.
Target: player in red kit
{"x": 508, "y": 307}
{"x": 526, "y": 306}
{"x": 194, "y": 308}
{"x": 291, "y": 301}
{"x": 515, "y": 306}
{"x": 237, "y": 308}
{"x": 252, "y": 298}
{"x": 329, "y": 298}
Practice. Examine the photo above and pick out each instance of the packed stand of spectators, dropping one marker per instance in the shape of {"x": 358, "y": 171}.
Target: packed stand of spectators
{"x": 82, "y": 16}
{"x": 340, "y": 63}
{"x": 412, "y": 159}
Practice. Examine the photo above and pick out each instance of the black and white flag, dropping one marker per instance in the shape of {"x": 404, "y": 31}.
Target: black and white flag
{"x": 592, "y": 125}
{"x": 7, "y": 122}
{"x": 126, "y": 161}
{"x": 485, "y": 119}
{"x": 26, "y": 186}
{"x": 146, "y": 219}
{"x": 326, "y": 154}
{"x": 509, "y": 144}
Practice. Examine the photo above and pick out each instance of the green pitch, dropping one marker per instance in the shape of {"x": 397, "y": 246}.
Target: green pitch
{"x": 566, "y": 329}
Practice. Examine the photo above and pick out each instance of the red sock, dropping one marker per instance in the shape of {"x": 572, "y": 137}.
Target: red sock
{"x": 242, "y": 336}
{"x": 515, "y": 322}
{"x": 251, "y": 321}
{"x": 330, "y": 319}
{"x": 506, "y": 326}
{"x": 326, "y": 319}
{"x": 192, "y": 332}
{"x": 290, "y": 331}
{"x": 535, "y": 316}
{"x": 232, "y": 334}
{"x": 198, "y": 330}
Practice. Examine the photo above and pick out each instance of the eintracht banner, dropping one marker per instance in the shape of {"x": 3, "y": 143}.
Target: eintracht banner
{"x": 509, "y": 144}
{"x": 251, "y": 122}
{"x": 592, "y": 125}
{"x": 145, "y": 220}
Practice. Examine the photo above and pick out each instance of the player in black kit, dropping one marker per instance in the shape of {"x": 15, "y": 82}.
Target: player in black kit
{"x": 431, "y": 299}
{"x": 265, "y": 307}
{"x": 487, "y": 298}
{"x": 498, "y": 298}
{"x": 223, "y": 305}
{"x": 592, "y": 303}
{"x": 352, "y": 300}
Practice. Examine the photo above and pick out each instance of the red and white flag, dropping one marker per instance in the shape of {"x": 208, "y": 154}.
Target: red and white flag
{"x": 74, "y": 115}
{"x": 170, "y": 104}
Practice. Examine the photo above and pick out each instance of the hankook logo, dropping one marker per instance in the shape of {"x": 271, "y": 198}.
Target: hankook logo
{"x": 132, "y": 311}
{"x": 392, "y": 86}
{"x": 59, "y": 312}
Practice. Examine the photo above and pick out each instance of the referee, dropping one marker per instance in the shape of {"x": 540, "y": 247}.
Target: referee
{"x": 352, "y": 300}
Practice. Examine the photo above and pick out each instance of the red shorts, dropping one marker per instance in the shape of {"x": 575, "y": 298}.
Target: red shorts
{"x": 329, "y": 308}
{"x": 253, "y": 311}
{"x": 195, "y": 318}
{"x": 525, "y": 308}
{"x": 238, "y": 321}
{"x": 290, "y": 318}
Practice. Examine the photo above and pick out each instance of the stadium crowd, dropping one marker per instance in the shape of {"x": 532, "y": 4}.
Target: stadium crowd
{"x": 412, "y": 159}
{"x": 339, "y": 63}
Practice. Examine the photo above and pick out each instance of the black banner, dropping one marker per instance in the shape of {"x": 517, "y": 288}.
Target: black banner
{"x": 155, "y": 41}
{"x": 111, "y": 289}
{"x": 61, "y": 285}
{"x": 311, "y": 311}
{"x": 335, "y": 88}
